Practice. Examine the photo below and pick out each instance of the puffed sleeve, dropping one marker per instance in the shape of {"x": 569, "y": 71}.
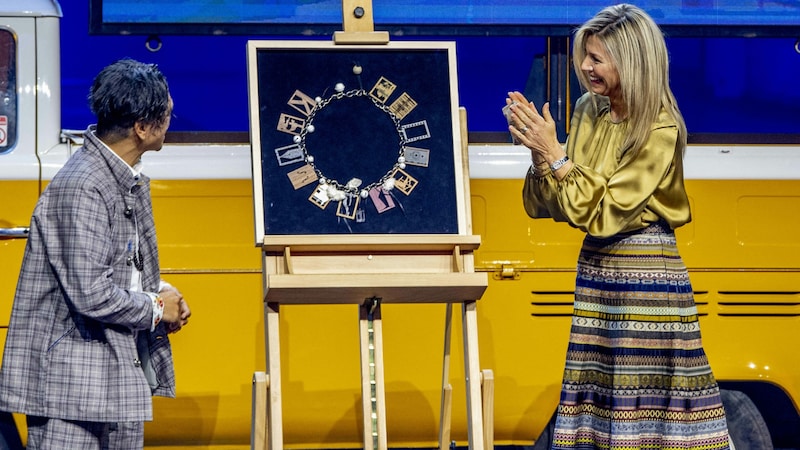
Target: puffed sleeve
{"x": 604, "y": 206}
{"x": 539, "y": 192}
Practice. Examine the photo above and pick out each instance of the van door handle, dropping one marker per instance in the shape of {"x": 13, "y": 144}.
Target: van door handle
{"x": 15, "y": 232}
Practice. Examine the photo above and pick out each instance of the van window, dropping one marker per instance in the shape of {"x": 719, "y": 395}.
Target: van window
{"x": 8, "y": 91}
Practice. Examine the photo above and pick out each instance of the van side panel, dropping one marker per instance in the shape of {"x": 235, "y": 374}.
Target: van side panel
{"x": 745, "y": 282}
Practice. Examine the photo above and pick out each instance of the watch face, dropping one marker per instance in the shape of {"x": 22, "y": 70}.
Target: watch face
{"x": 354, "y": 139}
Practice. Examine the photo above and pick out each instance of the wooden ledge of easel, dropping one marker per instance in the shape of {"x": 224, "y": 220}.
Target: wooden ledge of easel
{"x": 390, "y": 288}
{"x": 277, "y": 244}
{"x": 361, "y": 37}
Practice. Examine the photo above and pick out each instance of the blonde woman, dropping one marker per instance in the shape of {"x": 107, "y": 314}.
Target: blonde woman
{"x": 636, "y": 374}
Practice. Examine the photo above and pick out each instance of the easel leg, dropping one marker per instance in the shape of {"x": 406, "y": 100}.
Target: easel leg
{"x": 473, "y": 375}
{"x": 487, "y": 388}
{"x": 273, "y": 345}
{"x": 446, "y": 407}
{"x": 372, "y": 382}
{"x": 258, "y": 418}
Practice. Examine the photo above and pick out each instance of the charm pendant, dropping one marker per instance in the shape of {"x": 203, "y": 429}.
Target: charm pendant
{"x": 299, "y": 123}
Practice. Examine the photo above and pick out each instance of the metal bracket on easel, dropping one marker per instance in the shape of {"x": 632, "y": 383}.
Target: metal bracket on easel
{"x": 372, "y": 309}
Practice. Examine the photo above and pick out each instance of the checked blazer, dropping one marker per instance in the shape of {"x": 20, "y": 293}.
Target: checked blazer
{"x": 70, "y": 352}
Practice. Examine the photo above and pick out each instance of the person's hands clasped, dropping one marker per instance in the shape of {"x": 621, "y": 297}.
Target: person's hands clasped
{"x": 533, "y": 130}
{"x": 176, "y": 310}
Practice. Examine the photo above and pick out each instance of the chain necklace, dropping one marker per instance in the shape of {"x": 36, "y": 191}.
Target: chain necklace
{"x": 353, "y": 186}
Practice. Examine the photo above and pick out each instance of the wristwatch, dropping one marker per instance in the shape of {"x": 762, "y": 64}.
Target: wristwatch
{"x": 559, "y": 163}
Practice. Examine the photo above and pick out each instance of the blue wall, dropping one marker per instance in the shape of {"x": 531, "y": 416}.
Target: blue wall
{"x": 723, "y": 85}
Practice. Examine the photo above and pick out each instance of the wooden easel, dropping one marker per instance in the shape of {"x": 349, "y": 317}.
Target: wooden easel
{"x": 297, "y": 271}
{"x": 294, "y": 273}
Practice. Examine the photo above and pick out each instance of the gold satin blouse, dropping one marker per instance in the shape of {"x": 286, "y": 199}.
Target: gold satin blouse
{"x": 606, "y": 193}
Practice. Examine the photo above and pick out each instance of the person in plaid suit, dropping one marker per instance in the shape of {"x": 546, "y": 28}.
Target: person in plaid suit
{"x": 87, "y": 343}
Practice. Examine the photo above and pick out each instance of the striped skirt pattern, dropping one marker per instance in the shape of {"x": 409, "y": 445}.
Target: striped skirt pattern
{"x": 636, "y": 375}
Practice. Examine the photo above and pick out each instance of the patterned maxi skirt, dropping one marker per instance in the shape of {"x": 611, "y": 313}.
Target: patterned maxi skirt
{"x": 636, "y": 375}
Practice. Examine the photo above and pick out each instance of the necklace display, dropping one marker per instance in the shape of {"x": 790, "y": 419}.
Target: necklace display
{"x": 350, "y": 194}
{"x": 333, "y": 188}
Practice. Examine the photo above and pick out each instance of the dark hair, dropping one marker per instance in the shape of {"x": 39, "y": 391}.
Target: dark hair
{"x": 127, "y": 92}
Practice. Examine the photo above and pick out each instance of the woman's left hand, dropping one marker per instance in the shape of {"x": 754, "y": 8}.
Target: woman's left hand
{"x": 535, "y": 131}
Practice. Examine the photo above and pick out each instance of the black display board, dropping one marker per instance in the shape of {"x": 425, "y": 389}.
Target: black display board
{"x": 355, "y": 139}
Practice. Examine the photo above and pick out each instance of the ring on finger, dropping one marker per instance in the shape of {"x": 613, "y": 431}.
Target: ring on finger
{"x": 523, "y": 130}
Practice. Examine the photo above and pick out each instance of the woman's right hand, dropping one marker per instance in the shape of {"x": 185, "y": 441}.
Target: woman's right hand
{"x": 535, "y": 131}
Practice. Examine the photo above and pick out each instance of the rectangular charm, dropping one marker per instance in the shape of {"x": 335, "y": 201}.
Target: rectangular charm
{"x": 289, "y": 154}
{"x": 382, "y": 90}
{"x": 302, "y": 102}
{"x": 347, "y": 208}
{"x": 288, "y": 123}
{"x": 319, "y": 197}
{"x": 361, "y": 216}
{"x": 417, "y": 156}
{"x": 403, "y": 105}
{"x": 382, "y": 200}
{"x": 302, "y": 176}
{"x": 416, "y": 131}
{"x": 403, "y": 181}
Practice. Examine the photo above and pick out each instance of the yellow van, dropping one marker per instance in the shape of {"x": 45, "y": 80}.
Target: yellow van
{"x": 741, "y": 249}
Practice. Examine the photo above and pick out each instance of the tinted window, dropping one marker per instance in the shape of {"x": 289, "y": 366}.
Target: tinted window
{"x": 8, "y": 91}
{"x": 729, "y": 87}
{"x": 737, "y": 85}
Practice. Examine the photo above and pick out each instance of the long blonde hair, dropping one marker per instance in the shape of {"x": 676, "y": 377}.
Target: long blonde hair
{"x": 638, "y": 51}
